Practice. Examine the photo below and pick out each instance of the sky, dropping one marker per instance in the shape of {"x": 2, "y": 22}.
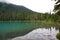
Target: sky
{"x": 35, "y": 5}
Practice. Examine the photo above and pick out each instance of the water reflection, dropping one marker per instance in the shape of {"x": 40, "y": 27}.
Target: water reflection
{"x": 40, "y": 34}
{"x": 14, "y": 29}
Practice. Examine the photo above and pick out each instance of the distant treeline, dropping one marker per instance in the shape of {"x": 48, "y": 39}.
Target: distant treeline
{"x": 10, "y": 12}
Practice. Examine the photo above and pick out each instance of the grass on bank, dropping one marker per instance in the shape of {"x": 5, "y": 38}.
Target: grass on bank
{"x": 40, "y": 21}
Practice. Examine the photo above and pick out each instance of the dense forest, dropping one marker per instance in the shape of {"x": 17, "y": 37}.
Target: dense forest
{"x": 10, "y": 12}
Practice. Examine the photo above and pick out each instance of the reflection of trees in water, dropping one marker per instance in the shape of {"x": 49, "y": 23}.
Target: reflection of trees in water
{"x": 28, "y": 29}
{"x": 57, "y": 27}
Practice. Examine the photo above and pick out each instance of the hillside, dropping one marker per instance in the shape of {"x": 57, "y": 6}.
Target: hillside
{"x": 11, "y": 12}
{"x": 7, "y": 11}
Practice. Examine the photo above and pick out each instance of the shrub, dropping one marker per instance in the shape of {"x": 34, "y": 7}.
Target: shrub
{"x": 58, "y": 36}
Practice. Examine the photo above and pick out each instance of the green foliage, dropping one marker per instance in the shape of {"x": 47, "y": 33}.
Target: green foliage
{"x": 58, "y": 36}
{"x": 10, "y": 12}
{"x": 57, "y": 7}
{"x": 57, "y": 10}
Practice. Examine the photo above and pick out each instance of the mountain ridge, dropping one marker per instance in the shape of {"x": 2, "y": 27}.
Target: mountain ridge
{"x": 11, "y": 12}
{"x": 12, "y": 6}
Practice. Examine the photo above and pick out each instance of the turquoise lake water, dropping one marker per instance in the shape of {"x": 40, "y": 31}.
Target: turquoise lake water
{"x": 15, "y": 29}
{"x": 12, "y": 26}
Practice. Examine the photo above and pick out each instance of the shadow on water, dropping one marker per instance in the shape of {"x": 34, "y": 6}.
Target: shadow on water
{"x": 14, "y": 29}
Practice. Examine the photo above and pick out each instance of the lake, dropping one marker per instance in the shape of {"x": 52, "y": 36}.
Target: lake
{"x": 28, "y": 31}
